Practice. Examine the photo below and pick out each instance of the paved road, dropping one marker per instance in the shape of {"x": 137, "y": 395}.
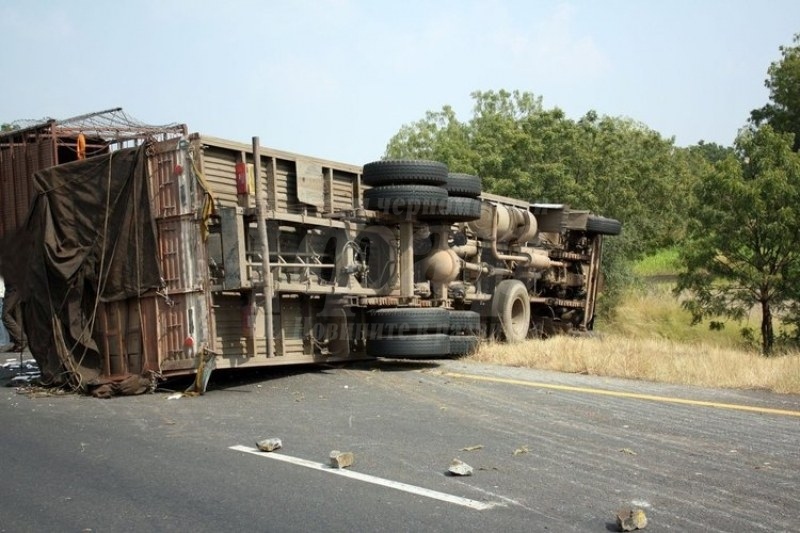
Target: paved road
{"x": 152, "y": 464}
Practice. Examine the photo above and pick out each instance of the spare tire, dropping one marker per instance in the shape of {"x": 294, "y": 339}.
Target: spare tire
{"x": 404, "y": 171}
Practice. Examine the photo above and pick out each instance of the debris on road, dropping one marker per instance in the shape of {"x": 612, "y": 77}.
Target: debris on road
{"x": 459, "y": 468}
{"x": 472, "y": 448}
{"x": 628, "y": 451}
{"x": 341, "y": 459}
{"x": 521, "y": 450}
{"x": 269, "y": 445}
{"x": 631, "y": 519}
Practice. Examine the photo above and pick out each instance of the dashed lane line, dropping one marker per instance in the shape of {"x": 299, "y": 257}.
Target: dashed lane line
{"x": 619, "y": 394}
{"x": 405, "y": 487}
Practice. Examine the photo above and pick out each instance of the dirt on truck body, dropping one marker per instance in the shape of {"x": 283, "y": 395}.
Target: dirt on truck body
{"x": 166, "y": 253}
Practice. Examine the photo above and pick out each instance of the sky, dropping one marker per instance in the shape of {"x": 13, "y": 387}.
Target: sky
{"x": 336, "y": 79}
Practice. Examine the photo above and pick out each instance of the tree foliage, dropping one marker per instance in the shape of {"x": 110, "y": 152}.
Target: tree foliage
{"x": 612, "y": 166}
{"x": 783, "y": 82}
{"x": 741, "y": 249}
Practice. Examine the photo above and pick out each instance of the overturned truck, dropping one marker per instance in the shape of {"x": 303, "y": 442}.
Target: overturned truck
{"x": 178, "y": 254}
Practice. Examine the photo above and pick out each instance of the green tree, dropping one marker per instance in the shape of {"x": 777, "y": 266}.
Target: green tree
{"x": 438, "y": 137}
{"x": 710, "y": 152}
{"x": 783, "y": 112}
{"x": 741, "y": 249}
{"x": 615, "y": 167}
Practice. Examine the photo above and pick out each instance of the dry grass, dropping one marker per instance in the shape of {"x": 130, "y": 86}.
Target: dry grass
{"x": 651, "y": 338}
{"x": 650, "y": 359}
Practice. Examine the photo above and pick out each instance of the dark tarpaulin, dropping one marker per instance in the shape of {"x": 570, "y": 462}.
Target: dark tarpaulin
{"x": 89, "y": 238}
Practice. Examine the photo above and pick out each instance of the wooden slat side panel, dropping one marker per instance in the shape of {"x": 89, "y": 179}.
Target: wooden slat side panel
{"x": 286, "y": 188}
{"x": 342, "y": 193}
{"x": 228, "y": 314}
{"x": 219, "y": 169}
{"x": 292, "y": 322}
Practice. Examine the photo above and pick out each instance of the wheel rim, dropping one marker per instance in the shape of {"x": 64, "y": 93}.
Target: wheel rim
{"x": 518, "y": 322}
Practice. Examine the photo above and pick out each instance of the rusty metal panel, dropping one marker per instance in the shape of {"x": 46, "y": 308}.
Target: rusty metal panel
{"x": 20, "y": 158}
{"x": 149, "y": 315}
{"x": 172, "y": 330}
{"x": 181, "y": 254}
{"x": 45, "y": 156}
{"x": 22, "y": 185}
{"x": 171, "y": 252}
{"x": 179, "y": 317}
{"x": 108, "y": 335}
{"x": 7, "y": 205}
{"x": 119, "y": 334}
{"x": 164, "y": 187}
{"x": 177, "y": 197}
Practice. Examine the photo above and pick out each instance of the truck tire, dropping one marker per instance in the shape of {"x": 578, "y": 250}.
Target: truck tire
{"x": 404, "y": 171}
{"x": 410, "y": 346}
{"x": 463, "y": 344}
{"x": 457, "y": 209}
{"x": 399, "y": 321}
{"x": 406, "y": 199}
{"x": 603, "y": 226}
{"x": 511, "y": 306}
{"x": 465, "y": 322}
{"x": 463, "y": 185}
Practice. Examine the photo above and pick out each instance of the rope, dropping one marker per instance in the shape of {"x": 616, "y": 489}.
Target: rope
{"x": 101, "y": 282}
{"x": 208, "y": 209}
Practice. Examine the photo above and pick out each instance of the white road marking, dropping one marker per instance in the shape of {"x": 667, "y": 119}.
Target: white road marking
{"x": 405, "y": 487}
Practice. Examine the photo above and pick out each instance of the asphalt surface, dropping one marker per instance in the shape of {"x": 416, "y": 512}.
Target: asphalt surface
{"x": 550, "y": 452}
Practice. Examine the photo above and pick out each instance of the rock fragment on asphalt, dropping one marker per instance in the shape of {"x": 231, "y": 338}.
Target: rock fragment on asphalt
{"x": 459, "y": 468}
{"x": 341, "y": 459}
{"x": 631, "y": 519}
{"x": 521, "y": 450}
{"x": 269, "y": 445}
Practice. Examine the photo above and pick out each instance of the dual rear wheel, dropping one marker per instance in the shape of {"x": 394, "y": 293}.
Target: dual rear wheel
{"x": 421, "y": 333}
